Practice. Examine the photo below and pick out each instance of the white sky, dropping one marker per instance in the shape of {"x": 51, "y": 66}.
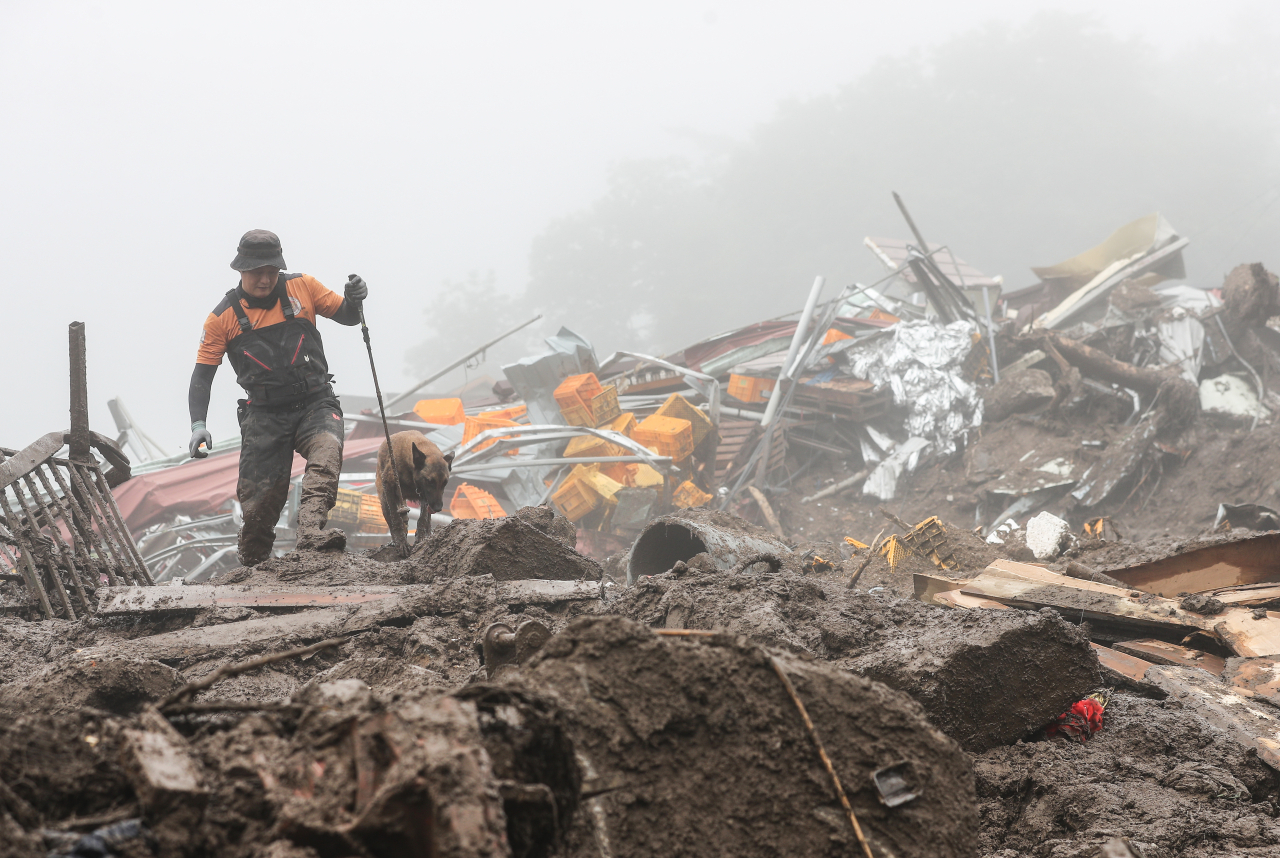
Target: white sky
{"x": 408, "y": 142}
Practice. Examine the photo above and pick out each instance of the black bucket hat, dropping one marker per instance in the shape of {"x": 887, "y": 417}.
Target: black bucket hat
{"x": 258, "y": 248}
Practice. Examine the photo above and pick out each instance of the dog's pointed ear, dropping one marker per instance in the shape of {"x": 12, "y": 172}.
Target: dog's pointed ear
{"x": 448, "y": 458}
{"x": 419, "y": 458}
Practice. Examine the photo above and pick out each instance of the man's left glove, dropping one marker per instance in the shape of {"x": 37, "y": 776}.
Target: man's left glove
{"x": 356, "y": 290}
{"x": 199, "y": 435}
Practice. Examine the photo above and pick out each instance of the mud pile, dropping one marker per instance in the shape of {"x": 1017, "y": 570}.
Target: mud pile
{"x": 652, "y": 722}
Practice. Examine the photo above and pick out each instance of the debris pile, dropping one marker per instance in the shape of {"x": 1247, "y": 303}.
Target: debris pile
{"x": 929, "y": 568}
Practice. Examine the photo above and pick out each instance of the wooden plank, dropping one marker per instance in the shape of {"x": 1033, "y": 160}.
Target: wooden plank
{"x": 1249, "y": 723}
{"x": 1029, "y": 572}
{"x": 30, "y": 457}
{"x": 1245, "y": 635}
{"x": 306, "y": 626}
{"x": 957, "y": 599}
{"x": 1126, "y": 666}
{"x": 928, "y": 586}
{"x": 540, "y": 592}
{"x": 1248, "y": 595}
{"x": 1258, "y": 676}
{"x": 191, "y": 597}
{"x": 1081, "y": 603}
{"x": 1161, "y": 652}
{"x": 1228, "y": 564}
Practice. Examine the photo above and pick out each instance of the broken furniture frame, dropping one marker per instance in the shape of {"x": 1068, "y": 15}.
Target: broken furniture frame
{"x": 63, "y": 533}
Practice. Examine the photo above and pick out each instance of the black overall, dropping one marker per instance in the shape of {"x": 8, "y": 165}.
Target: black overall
{"x": 290, "y": 407}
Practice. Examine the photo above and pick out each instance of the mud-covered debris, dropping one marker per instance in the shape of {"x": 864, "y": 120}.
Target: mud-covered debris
{"x": 987, "y": 678}
{"x": 113, "y": 684}
{"x": 508, "y": 548}
{"x": 1203, "y": 603}
{"x": 700, "y": 743}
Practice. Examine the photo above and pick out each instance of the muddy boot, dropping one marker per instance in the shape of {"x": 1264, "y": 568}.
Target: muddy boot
{"x": 312, "y": 533}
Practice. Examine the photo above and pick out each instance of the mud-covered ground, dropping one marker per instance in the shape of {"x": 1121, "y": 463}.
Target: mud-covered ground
{"x": 1158, "y": 773}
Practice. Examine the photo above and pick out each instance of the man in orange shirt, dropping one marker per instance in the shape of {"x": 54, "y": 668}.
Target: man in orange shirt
{"x": 266, "y": 327}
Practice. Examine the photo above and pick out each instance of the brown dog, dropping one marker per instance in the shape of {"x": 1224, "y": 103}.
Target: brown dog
{"x": 420, "y": 474}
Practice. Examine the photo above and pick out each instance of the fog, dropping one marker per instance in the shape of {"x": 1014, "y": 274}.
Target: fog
{"x": 645, "y": 174}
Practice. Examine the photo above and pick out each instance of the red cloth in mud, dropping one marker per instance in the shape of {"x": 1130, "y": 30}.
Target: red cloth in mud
{"x": 201, "y": 487}
{"x": 1084, "y": 720}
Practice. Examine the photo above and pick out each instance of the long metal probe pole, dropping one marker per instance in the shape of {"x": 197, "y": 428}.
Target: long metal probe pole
{"x": 377, "y": 388}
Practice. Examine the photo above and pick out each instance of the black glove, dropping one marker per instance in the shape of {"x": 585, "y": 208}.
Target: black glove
{"x": 356, "y": 290}
{"x": 199, "y": 435}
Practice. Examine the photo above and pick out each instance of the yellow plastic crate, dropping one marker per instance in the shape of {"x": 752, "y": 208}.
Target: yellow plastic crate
{"x": 689, "y": 495}
{"x": 604, "y": 406}
{"x": 666, "y": 436}
{"x": 647, "y": 477}
{"x": 441, "y": 412}
{"x": 589, "y": 446}
{"x": 371, "y": 520}
{"x": 578, "y": 415}
{"x": 346, "y": 509}
{"x": 680, "y": 408}
{"x": 574, "y": 498}
{"x": 624, "y": 423}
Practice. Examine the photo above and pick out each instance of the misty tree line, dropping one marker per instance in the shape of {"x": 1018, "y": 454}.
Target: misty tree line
{"x": 1015, "y": 146}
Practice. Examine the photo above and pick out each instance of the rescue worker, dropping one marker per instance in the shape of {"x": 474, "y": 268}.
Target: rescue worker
{"x": 266, "y": 327}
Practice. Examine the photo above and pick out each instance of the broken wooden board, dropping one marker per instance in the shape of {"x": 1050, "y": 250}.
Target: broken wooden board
{"x": 1258, "y": 676}
{"x": 1251, "y": 723}
{"x": 535, "y": 591}
{"x": 1162, "y": 652}
{"x": 957, "y": 599}
{"x": 1126, "y": 666}
{"x": 160, "y": 766}
{"x": 1248, "y": 595}
{"x": 1228, "y": 564}
{"x": 1086, "y": 601}
{"x": 1126, "y": 671}
{"x": 306, "y": 626}
{"x": 1247, "y": 636}
{"x": 1020, "y": 585}
{"x": 928, "y": 586}
{"x": 191, "y": 597}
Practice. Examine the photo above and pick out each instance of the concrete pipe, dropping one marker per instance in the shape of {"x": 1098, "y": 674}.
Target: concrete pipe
{"x": 681, "y": 535}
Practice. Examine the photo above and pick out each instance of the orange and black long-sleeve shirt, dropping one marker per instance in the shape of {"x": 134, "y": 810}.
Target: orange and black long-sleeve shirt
{"x": 308, "y": 296}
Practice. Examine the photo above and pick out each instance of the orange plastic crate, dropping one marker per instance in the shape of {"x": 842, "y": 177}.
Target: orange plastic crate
{"x": 748, "y": 388}
{"x": 835, "y": 335}
{"x": 442, "y": 412}
{"x": 575, "y": 499}
{"x": 623, "y": 473}
{"x": 370, "y": 517}
{"x": 577, "y": 390}
{"x": 666, "y": 436}
{"x": 471, "y": 502}
{"x": 604, "y": 406}
{"x": 687, "y": 495}
{"x": 578, "y": 415}
{"x": 473, "y": 426}
{"x": 624, "y": 423}
{"x": 515, "y": 412}
{"x": 589, "y": 446}
{"x": 679, "y": 407}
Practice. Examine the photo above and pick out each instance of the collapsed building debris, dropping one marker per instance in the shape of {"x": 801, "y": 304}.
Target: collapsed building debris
{"x": 662, "y": 558}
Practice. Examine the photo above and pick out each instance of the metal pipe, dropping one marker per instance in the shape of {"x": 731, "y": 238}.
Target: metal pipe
{"x": 451, "y": 367}
{"x": 577, "y": 460}
{"x": 802, "y": 327}
{"x": 682, "y": 534}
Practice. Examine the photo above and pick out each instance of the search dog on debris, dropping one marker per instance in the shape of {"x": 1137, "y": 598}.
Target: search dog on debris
{"x": 412, "y": 468}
